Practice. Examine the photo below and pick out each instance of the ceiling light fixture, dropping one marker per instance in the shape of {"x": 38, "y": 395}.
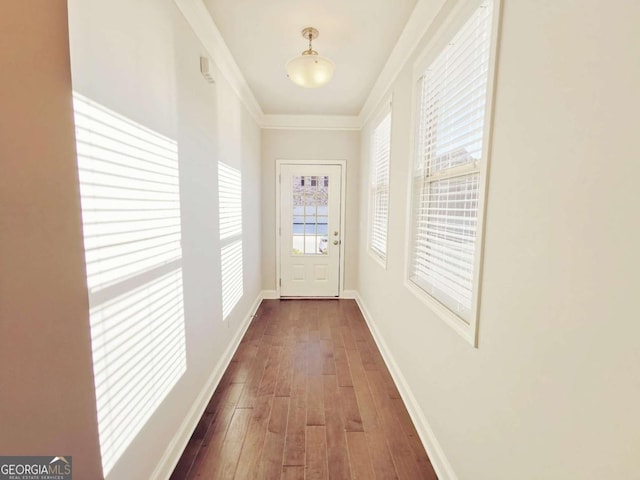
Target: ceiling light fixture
{"x": 310, "y": 70}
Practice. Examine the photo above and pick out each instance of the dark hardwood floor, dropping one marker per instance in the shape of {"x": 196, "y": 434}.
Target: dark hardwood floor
{"x": 306, "y": 396}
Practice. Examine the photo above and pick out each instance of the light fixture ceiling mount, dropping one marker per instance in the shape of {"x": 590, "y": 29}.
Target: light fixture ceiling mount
{"x": 310, "y": 34}
{"x": 310, "y": 70}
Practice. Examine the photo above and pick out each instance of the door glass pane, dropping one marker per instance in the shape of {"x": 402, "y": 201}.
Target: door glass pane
{"x": 310, "y": 215}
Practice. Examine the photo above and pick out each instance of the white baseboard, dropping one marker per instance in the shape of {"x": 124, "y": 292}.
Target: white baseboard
{"x": 441, "y": 465}
{"x": 272, "y": 294}
{"x": 350, "y": 294}
{"x": 173, "y": 452}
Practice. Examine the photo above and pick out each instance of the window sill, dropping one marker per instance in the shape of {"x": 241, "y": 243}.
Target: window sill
{"x": 466, "y": 331}
{"x": 378, "y": 259}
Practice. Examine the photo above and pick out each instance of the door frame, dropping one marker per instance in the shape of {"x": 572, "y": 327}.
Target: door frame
{"x": 343, "y": 202}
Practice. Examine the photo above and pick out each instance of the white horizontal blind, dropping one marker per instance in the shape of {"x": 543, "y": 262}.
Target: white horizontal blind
{"x": 129, "y": 187}
{"x": 230, "y": 210}
{"x": 448, "y": 162}
{"x": 380, "y": 155}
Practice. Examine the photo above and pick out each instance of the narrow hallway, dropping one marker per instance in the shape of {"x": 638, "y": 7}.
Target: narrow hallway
{"x": 307, "y": 395}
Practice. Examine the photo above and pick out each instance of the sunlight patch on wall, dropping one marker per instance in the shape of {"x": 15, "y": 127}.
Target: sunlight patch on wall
{"x": 230, "y": 205}
{"x": 129, "y": 187}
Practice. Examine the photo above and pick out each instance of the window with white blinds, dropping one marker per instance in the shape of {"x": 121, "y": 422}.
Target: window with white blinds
{"x": 379, "y": 201}
{"x": 230, "y": 210}
{"x": 447, "y": 179}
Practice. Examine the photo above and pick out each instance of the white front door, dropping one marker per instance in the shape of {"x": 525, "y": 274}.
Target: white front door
{"x": 310, "y": 235}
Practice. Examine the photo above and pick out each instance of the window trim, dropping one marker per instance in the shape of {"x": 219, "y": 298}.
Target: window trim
{"x": 454, "y": 21}
{"x": 377, "y": 119}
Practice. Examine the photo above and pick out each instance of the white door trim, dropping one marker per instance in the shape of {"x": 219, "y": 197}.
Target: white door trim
{"x": 343, "y": 203}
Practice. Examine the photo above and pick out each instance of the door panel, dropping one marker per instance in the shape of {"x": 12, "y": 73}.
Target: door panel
{"x": 310, "y": 230}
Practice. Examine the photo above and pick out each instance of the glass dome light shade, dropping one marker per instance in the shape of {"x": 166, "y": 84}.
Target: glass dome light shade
{"x": 310, "y": 70}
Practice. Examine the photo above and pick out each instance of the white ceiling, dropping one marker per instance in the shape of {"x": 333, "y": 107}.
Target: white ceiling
{"x": 358, "y": 35}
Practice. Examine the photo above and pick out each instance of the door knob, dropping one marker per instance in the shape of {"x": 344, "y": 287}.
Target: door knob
{"x": 336, "y": 242}
{"x": 335, "y": 234}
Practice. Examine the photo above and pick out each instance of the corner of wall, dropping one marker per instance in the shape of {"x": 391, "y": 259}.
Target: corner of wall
{"x": 269, "y": 294}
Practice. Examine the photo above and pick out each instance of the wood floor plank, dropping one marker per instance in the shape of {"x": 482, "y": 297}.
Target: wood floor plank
{"x": 315, "y": 402}
{"x": 328, "y": 362}
{"x": 207, "y": 461}
{"x": 246, "y": 352}
{"x": 350, "y": 410}
{"x": 359, "y": 457}
{"x": 342, "y": 367}
{"x": 316, "y": 453}
{"x": 380, "y": 456}
{"x": 306, "y": 396}
{"x": 231, "y": 446}
{"x": 270, "y": 374}
{"x": 220, "y": 457}
{"x": 297, "y": 417}
{"x": 223, "y": 399}
{"x": 326, "y": 312}
{"x": 368, "y": 360}
{"x": 258, "y": 326}
{"x": 392, "y": 390}
{"x": 299, "y": 374}
{"x": 220, "y": 423}
{"x": 336, "y": 440}
{"x": 347, "y": 337}
{"x": 291, "y": 472}
{"x": 368, "y": 411}
{"x": 336, "y": 334}
{"x": 295, "y": 438}
{"x": 221, "y": 420}
{"x": 185, "y": 464}
{"x": 251, "y": 452}
{"x": 401, "y": 452}
{"x": 419, "y": 453}
{"x": 285, "y": 372}
{"x": 300, "y": 333}
{"x": 272, "y": 455}
{"x": 203, "y": 426}
{"x": 315, "y": 355}
{"x": 250, "y": 391}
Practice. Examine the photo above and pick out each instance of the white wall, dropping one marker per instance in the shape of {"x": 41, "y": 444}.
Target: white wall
{"x": 141, "y": 59}
{"x": 309, "y": 145}
{"x": 552, "y": 391}
{"x": 47, "y": 397}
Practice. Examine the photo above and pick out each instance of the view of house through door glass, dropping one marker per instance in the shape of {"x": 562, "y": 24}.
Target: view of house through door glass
{"x": 310, "y": 214}
{"x": 310, "y": 230}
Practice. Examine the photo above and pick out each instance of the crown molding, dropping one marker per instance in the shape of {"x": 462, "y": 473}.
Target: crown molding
{"x": 311, "y": 122}
{"x": 199, "y": 18}
{"x": 419, "y": 22}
